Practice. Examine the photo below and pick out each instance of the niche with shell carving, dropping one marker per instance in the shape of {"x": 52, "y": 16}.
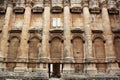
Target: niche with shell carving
{"x": 99, "y": 52}
{"x": 117, "y": 46}
{"x": 13, "y": 51}
{"x": 56, "y": 49}
{"x": 78, "y": 52}
{"x": 34, "y": 50}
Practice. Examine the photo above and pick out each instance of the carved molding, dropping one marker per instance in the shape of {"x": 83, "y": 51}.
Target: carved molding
{"x": 94, "y": 7}
{"x": 78, "y": 35}
{"x": 14, "y": 35}
{"x": 19, "y": 6}
{"x": 56, "y": 35}
{"x": 35, "y": 36}
{"x": 85, "y": 3}
{"x": 66, "y": 2}
{"x": 96, "y": 36}
{"x": 112, "y": 7}
{"x": 38, "y": 7}
{"x": 3, "y": 6}
{"x": 76, "y": 6}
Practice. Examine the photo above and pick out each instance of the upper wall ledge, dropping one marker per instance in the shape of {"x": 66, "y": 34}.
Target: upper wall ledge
{"x": 57, "y": 6}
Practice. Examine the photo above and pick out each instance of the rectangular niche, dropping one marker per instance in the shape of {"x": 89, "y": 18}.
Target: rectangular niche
{"x": 36, "y": 21}
{"x": 77, "y": 21}
{"x": 96, "y": 22}
{"x": 18, "y": 21}
{"x": 57, "y": 21}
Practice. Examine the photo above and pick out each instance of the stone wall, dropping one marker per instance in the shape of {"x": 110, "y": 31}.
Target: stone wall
{"x": 82, "y": 36}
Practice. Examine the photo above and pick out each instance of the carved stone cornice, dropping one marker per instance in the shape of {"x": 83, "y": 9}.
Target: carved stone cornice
{"x": 85, "y": 3}
{"x": 66, "y": 2}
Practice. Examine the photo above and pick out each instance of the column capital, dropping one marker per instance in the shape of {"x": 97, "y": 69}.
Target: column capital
{"x": 103, "y": 3}
{"x": 66, "y": 2}
{"x": 47, "y": 2}
{"x": 85, "y": 3}
{"x": 118, "y": 4}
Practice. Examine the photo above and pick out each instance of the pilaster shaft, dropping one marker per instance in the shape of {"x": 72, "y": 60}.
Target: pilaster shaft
{"x": 67, "y": 35}
{"x": 110, "y": 53}
{"x": 86, "y": 14}
{"x": 45, "y": 34}
{"x": 90, "y": 68}
{"x": 108, "y": 34}
{"x": 23, "y": 55}
{"x": 5, "y": 34}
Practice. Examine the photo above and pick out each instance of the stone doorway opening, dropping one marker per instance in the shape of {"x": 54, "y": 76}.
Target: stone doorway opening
{"x": 55, "y": 70}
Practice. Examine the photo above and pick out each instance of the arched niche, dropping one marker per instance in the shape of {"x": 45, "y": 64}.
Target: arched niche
{"x": 78, "y": 53}
{"x": 117, "y": 46}
{"x": 56, "y": 49}
{"x": 33, "y": 52}
{"x": 13, "y": 50}
{"x": 99, "y": 50}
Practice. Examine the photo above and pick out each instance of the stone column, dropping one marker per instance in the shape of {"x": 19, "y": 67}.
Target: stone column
{"x": 90, "y": 68}
{"x": 5, "y": 35}
{"x": 68, "y": 55}
{"x": 45, "y": 34}
{"x": 23, "y": 55}
{"x": 44, "y": 56}
{"x": 109, "y": 47}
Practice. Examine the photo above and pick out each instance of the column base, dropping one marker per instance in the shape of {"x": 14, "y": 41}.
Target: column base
{"x": 44, "y": 59}
{"x": 113, "y": 68}
{"x": 90, "y": 69}
{"x": 68, "y": 69}
{"x": 68, "y": 60}
{"x": 21, "y": 67}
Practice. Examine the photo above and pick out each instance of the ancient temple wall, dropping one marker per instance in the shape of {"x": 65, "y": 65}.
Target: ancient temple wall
{"x": 82, "y": 35}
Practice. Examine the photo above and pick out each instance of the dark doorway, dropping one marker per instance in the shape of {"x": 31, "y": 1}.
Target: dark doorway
{"x": 54, "y": 70}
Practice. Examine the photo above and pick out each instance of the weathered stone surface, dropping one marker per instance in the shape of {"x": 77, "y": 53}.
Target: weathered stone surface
{"x": 71, "y": 39}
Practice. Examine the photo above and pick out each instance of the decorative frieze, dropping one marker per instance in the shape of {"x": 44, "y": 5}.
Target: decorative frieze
{"x": 38, "y": 6}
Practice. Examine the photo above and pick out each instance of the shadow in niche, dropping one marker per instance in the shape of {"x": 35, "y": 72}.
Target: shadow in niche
{"x": 54, "y": 70}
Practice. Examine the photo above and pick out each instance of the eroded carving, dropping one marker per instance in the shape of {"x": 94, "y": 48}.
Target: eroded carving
{"x": 112, "y": 8}
{"x": 76, "y": 6}
{"x": 94, "y": 6}
{"x": 37, "y": 6}
{"x": 19, "y": 6}
{"x": 57, "y": 6}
